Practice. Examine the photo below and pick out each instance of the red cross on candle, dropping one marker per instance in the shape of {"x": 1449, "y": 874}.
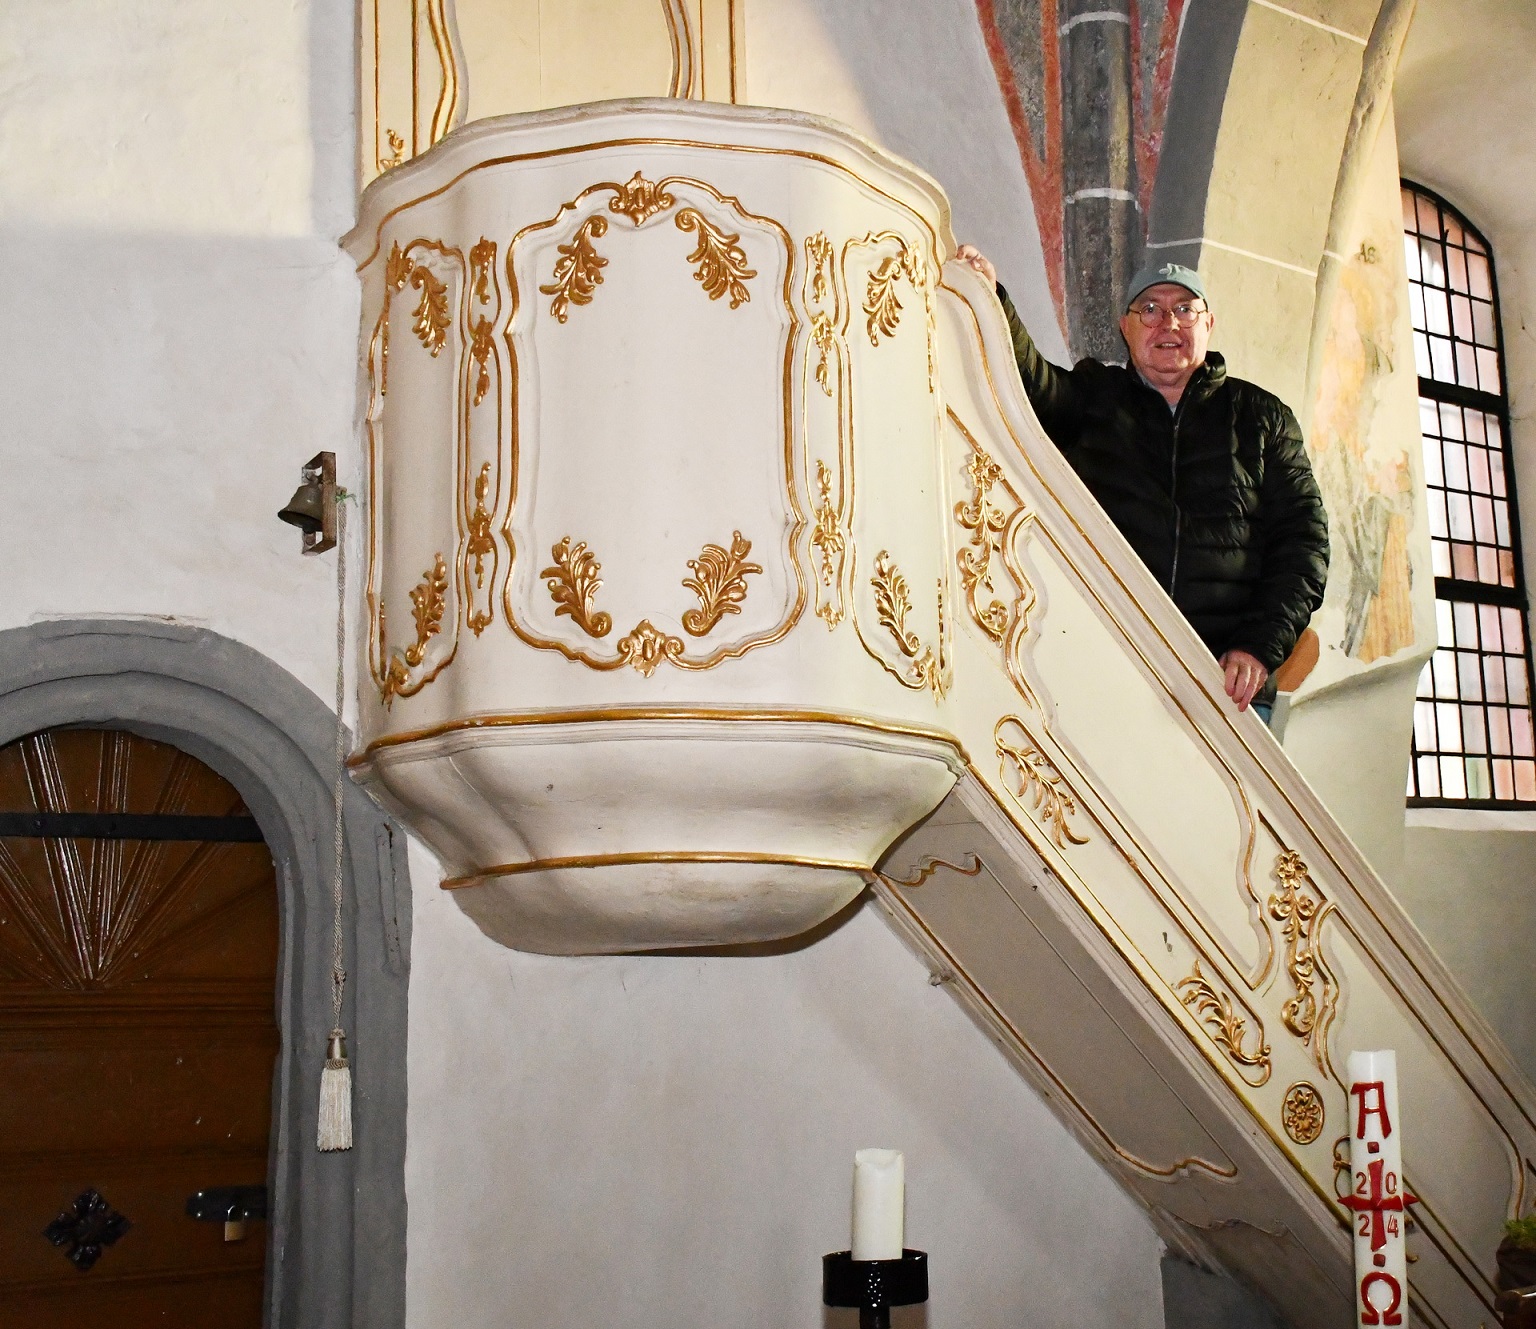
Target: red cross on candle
{"x": 1378, "y": 1203}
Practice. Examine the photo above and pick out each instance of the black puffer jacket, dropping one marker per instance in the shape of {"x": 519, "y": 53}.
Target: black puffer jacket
{"x": 1218, "y": 497}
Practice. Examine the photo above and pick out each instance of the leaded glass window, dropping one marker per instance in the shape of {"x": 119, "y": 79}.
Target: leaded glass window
{"x": 1472, "y": 732}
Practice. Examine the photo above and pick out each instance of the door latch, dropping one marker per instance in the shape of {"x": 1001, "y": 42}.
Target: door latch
{"x": 233, "y": 1206}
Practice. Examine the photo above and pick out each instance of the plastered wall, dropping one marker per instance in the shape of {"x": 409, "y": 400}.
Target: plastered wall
{"x": 645, "y": 1141}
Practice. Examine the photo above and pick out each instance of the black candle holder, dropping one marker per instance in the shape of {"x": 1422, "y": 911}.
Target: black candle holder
{"x": 874, "y": 1286}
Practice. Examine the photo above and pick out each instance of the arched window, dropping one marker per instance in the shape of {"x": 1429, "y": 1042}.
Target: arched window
{"x": 1472, "y": 732}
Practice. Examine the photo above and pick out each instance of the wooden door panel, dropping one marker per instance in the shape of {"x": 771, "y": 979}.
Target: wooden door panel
{"x": 137, "y": 1031}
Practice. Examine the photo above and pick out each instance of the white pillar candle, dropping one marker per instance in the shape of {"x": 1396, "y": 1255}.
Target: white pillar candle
{"x": 1377, "y": 1199}
{"x": 879, "y": 1204}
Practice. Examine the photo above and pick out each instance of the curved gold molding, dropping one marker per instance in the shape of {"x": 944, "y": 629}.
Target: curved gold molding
{"x": 630, "y": 714}
{"x": 631, "y": 141}
{"x": 926, "y": 867}
{"x": 676, "y": 12}
{"x": 641, "y": 200}
{"x": 447, "y": 113}
{"x": 1219, "y": 1017}
{"x": 1050, "y": 796}
{"x": 654, "y": 856}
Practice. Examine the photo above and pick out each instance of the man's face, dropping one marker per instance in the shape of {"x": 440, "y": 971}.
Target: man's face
{"x": 1167, "y": 350}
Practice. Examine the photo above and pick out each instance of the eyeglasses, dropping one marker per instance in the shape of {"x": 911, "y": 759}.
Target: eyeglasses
{"x": 1154, "y": 315}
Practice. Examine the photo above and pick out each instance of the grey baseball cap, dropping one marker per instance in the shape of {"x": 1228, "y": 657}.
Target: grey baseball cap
{"x": 1156, "y": 274}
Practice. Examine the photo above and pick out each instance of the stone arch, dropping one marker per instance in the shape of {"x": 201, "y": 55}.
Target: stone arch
{"x": 336, "y": 1230}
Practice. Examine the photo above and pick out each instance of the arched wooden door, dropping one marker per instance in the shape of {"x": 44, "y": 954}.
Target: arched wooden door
{"x": 138, "y": 952}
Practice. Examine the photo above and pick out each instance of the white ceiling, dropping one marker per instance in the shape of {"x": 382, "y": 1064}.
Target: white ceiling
{"x": 1465, "y": 100}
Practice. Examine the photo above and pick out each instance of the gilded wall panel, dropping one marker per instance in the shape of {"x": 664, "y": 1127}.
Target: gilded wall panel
{"x": 681, "y": 299}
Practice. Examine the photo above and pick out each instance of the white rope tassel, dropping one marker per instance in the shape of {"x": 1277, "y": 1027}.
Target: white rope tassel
{"x": 334, "y": 1127}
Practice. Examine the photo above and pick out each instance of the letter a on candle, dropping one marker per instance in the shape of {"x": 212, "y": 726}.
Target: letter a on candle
{"x": 879, "y": 1204}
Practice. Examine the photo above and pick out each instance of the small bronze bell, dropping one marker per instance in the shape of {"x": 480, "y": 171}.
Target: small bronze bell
{"x": 313, "y": 505}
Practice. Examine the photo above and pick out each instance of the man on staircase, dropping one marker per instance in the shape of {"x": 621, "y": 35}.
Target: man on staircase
{"x": 1205, "y": 475}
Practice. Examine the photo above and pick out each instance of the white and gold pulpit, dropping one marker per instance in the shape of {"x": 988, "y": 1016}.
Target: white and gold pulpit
{"x": 659, "y": 580}
{"x": 712, "y": 546}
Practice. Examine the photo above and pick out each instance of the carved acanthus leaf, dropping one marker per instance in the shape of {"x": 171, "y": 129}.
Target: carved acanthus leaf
{"x": 1218, "y": 1015}
{"x": 722, "y": 262}
{"x": 880, "y": 302}
{"x": 720, "y": 581}
{"x": 578, "y": 269}
{"x": 1047, "y": 790}
{"x": 573, "y": 582}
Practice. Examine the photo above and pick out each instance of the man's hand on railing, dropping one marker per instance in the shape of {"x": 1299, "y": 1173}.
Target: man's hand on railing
{"x": 1245, "y": 676}
{"x": 973, "y": 256}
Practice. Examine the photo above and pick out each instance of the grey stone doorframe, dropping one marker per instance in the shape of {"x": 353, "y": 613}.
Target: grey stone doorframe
{"x": 336, "y": 1233}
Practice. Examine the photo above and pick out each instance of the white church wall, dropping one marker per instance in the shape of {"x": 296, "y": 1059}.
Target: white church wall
{"x": 668, "y": 1140}
{"x": 860, "y": 61}
{"x": 179, "y": 331}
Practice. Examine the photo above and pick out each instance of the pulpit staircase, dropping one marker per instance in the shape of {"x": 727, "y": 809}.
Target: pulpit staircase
{"x": 714, "y": 549}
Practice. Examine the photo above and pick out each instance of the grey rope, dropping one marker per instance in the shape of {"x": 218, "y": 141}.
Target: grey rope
{"x": 338, "y": 969}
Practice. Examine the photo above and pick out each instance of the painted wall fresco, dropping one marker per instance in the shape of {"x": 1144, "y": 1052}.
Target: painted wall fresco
{"x": 1368, "y": 491}
{"x": 1087, "y": 98}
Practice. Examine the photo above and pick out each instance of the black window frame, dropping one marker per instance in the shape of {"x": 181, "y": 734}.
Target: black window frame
{"x": 1455, "y": 590}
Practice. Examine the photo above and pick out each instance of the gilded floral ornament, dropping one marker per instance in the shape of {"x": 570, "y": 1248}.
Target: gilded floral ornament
{"x": 428, "y": 599}
{"x": 1050, "y": 796}
{"x": 1218, "y": 1015}
{"x": 722, "y": 262}
{"x": 481, "y": 544}
{"x": 578, "y": 270}
{"x": 480, "y": 353}
{"x": 1309, "y": 1011}
{"x": 1302, "y": 1113}
{"x": 821, "y": 336}
{"x": 880, "y": 301}
{"x": 573, "y": 581}
{"x": 396, "y": 151}
{"x": 986, "y": 522}
{"x": 647, "y": 646}
{"x": 639, "y": 199}
{"x": 431, "y": 320}
{"x": 482, "y": 264}
{"x": 720, "y": 581}
{"x": 881, "y": 305}
{"x": 893, "y": 602}
{"x": 828, "y": 541}
{"x": 818, "y": 251}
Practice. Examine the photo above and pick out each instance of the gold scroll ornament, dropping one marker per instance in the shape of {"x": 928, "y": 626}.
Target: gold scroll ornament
{"x": 719, "y": 581}
{"x": 1219, "y": 1017}
{"x": 1301, "y": 912}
